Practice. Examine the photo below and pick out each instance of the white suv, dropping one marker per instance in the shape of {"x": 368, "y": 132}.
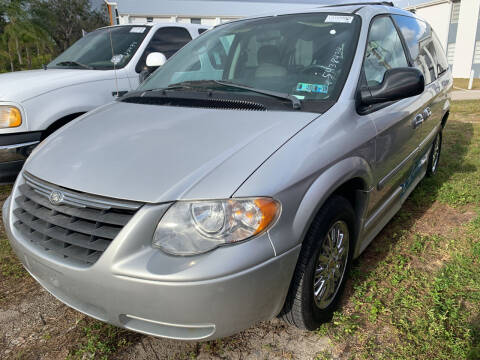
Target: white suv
{"x": 102, "y": 65}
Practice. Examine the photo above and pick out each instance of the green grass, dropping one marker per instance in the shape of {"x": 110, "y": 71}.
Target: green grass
{"x": 463, "y": 83}
{"x": 458, "y": 179}
{"x": 100, "y": 341}
{"x": 415, "y": 294}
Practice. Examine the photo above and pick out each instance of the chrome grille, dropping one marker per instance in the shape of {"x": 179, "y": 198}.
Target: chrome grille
{"x": 78, "y": 230}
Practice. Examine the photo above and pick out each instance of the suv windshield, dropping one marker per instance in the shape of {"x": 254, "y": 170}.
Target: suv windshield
{"x": 94, "y": 50}
{"x": 307, "y": 56}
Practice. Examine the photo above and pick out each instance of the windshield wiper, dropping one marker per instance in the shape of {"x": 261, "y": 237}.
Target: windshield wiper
{"x": 297, "y": 104}
{"x": 74, "y": 63}
{"x": 181, "y": 85}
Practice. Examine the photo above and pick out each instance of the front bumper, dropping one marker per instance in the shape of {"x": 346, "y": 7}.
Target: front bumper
{"x": 140, "y": 288}
{"x": 14, "y": 150}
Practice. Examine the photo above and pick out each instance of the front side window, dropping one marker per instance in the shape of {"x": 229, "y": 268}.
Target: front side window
{"x": 304, "y": 55}
{"x": 167, "y": 40}
{"x": 103, "y": 49}
{"x": 384, "y": 51}
{"x": 420, "y": 41}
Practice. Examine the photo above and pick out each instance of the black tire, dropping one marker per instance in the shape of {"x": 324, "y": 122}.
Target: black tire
{"x": 300, "y": 308}
{"x": 434, "y": 158}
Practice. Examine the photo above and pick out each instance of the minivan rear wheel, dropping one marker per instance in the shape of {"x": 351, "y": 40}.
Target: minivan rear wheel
{"x": 434, "y": 157}
{"x": 322, "y": 267}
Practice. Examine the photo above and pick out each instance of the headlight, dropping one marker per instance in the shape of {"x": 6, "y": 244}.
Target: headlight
{"x": 190, "y": 228}
{"x": 10, "y": 117}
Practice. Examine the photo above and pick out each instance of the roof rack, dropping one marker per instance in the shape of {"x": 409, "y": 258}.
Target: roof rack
{"x": 385, "y": 3}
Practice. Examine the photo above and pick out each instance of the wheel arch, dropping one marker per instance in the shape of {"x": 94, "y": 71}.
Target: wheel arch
{"x": 351, "y": 178}
{"x": 59, "y": 123}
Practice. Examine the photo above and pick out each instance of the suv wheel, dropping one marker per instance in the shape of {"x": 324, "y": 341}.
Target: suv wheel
{"x": 434, "y": 157}
{"x": 322, "y": 267}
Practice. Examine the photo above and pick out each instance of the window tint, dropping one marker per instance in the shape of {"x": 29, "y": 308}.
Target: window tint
{"x": 167, "y": 40}
{"x": 384, "y": 51}
{"x": 420, "y": 42}
{"x": 201, "y": 31}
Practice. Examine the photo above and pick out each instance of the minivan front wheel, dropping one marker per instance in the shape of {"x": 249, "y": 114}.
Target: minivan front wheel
{"x": 322, "y": 267}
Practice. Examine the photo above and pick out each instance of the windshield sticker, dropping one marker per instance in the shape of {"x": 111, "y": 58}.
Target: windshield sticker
{"x": 339, "y": 19}
{"x": 117, "y": 59}
{"x": 138, "y": 30}
{"x": 312, "y": 88}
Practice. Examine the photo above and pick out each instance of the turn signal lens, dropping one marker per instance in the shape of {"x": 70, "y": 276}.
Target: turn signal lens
{"x": 10, "y": 117}
{"x": 269, "y": 210}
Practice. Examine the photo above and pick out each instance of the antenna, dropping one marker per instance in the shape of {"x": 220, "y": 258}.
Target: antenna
{"x": 114, "y": 62}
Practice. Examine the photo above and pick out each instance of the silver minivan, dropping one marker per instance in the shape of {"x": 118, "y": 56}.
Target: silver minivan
{"x": 241, "y": 179}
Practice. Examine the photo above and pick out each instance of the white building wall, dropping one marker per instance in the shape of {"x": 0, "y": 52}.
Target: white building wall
{"x": 210, "y": 22}
{"x": 467, "y": 28}
{"x": 123, "y": 19}
{"x": 438, "y": 16}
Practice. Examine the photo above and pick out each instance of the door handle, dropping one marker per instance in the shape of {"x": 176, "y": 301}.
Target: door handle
{"x": 417, "y": 121}
{"x": 427, "y": 113}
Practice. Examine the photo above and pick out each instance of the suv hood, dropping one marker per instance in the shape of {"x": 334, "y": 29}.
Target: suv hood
{"x": 23, "y": 85}
{"x": 156, "y": 154}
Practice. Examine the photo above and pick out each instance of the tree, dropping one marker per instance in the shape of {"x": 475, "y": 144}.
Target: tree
{"x": 34, "y": 31}
{"x": 64, "y": 20}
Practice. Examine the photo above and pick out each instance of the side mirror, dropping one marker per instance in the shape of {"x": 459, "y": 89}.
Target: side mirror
{"x": 399, "y": 83}
{"x": 156, "y": 59}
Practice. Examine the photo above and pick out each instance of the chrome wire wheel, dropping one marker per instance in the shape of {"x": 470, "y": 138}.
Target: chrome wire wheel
{"x": 331, "y": 264}
{"x": 436, "y": 153}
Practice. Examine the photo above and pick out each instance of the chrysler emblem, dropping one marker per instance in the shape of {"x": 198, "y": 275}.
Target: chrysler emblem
{"x": 56, "y": 197}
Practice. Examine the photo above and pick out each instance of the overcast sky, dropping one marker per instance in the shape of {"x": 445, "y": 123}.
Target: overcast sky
{"x": 399, "y": 3}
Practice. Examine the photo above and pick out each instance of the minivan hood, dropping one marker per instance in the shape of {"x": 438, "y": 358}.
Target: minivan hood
{"x": 155, "y": 154}
{"x": 22, "y": 85}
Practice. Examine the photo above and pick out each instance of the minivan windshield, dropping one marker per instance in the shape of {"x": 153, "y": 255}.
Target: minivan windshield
{"x": 94, "y": 51}
{"x": 306, "y": 56}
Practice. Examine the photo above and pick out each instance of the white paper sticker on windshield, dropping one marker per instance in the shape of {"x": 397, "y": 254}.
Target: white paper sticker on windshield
{"x": 339, "y": 19}
{"x": 138, "y": 30}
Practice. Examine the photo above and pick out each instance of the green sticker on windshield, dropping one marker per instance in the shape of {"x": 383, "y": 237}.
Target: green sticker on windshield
{"x": 312, "y": 88}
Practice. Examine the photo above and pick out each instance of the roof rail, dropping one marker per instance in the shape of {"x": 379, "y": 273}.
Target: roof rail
{"x": 385, "y": 3}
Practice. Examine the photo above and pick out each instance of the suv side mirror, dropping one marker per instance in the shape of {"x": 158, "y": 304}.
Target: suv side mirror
{"x": 156, "y": 59}
{"x": 399, "y": 83}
